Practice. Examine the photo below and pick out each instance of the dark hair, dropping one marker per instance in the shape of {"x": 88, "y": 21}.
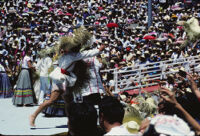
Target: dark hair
{"x": 82, "y": 119}
{"x": 112, "y": 109}
{"x": 125, "y": 93}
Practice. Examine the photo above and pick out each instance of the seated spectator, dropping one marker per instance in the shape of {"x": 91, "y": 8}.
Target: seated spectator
{"x": 82, "y": 120}
{"x": 111, "y": 114}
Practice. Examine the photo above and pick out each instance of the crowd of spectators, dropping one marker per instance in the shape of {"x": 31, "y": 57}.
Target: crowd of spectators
{"x": 122, "y": 26}
{"x": 37, "y": 24}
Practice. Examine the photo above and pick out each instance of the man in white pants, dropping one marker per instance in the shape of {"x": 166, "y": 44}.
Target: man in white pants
{"x": 43, "y": 65}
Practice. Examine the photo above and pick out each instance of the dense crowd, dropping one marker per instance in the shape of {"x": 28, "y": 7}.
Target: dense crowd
{"x": 37, "y": 24}
{"x": 122, "y": 26}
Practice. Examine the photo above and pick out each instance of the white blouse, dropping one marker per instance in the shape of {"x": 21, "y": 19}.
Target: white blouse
{"x": 2, "y": 69}
{"x": 25, "y": 62}
{"x": 66, "y": 60}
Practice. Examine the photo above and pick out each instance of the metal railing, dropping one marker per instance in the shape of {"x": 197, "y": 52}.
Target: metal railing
{"x": 138, "y": 77}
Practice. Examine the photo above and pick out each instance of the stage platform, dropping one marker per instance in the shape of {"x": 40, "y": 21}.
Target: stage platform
{"x": 15, "y": 121}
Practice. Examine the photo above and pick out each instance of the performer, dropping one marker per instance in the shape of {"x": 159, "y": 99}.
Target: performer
{"x": 23, "y": 95}
{"x": 64, "y": 76}
{"x": 57, "y": 109}
{"x": 5, "y": 86}
{"x": 94, "y": 89}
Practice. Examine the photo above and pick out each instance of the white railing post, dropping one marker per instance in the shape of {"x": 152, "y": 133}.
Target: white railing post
{"x": 140, "y": 76}
{"x": 115, "y": 79}
{"x": 139, "y": 73}
{"x": 163, "y": 68}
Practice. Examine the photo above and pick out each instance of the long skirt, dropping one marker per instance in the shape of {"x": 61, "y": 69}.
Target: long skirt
{"x": 24, "y": 90}
{"x": 5, "y": 86}
{"x": 57, "y": 109}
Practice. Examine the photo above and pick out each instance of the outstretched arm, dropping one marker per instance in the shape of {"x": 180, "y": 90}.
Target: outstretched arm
{"x": 170, "y": 97}
{"x": 195, "y": 89}
{"x": 89, "y": 53}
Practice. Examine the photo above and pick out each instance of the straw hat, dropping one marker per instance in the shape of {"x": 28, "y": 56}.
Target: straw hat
{"x": 132, "y": 119}
{"x": 103, "y": 55}
{"x": 131, "y": 125}
{"x": 129, "y": 64}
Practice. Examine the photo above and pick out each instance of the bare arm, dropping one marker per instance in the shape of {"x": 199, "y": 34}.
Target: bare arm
{"x": 195, "y": 90}
{"x": 171, "y": 99}
{"x": 89, "y": 53}
{"x": 30, "y": 65}
{"x": 109, "y": 92}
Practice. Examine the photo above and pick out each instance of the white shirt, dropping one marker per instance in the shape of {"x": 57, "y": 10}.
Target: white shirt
{"x": 43, "y": 65}
{"x": 25, "y": 62}
{"x": 162, "y": 1}
{"x": 95, "y": 84}
{"x": 119, "y": 131}
{"x": 67, "y": 59}
{"x": 2, "y": 69}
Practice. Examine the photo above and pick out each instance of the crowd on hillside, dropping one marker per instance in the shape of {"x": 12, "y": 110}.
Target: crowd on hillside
{"x": 120, "y": 25}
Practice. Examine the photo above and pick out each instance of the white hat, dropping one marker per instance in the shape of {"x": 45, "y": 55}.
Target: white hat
{"x": 142, "y": 56}
{"x": 133, "y": 125}
{"x": 182, "y": 69}
{"x": 123, "y": 97}
{"x": 138, "y": 52}
{"x": 112, "y": 61}
{"x": 188, "y": 90}
{"x": 167, "y": 17}
{"x": 158, "y": 43}
{"x": 146, "y": 52}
